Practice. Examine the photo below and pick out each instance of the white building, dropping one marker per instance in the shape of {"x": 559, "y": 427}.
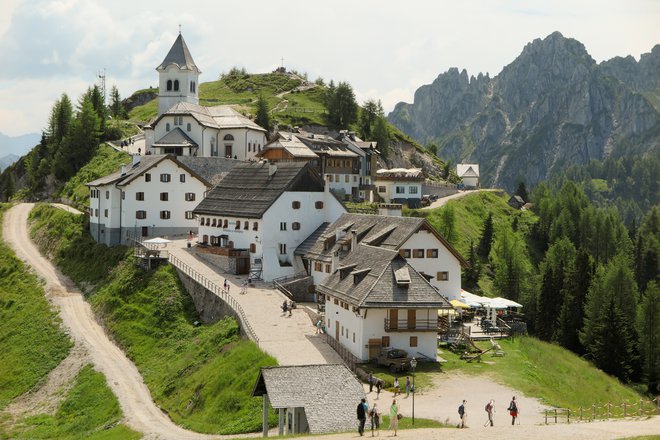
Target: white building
{"x": 185, "y": 128}
{"x": 375, "y": 299}
{"x": 469, "y": 174}
{"x": 412, "y": 237}
{"x": 400, "y": 185}
{"x": 257, "y": 216}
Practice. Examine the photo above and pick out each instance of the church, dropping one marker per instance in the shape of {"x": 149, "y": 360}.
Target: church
{"x": 185, "y": 128}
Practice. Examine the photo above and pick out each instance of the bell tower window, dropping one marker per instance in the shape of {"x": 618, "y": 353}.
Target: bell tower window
{"x": 192, "y": 86}
{"x": 169, "y": 85}
{"x": 176, "y": 85}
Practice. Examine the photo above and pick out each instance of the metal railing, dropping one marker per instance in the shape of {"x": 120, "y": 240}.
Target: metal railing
{"x": 219, "y": 292}
{"x": 602, "y": 412}
{"x": 403, "y": 325}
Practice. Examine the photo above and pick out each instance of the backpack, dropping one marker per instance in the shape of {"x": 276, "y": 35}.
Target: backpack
{"x": 512, "y": 406}
{"x": 461, "y": 410}
{"x": 488, "y": 407}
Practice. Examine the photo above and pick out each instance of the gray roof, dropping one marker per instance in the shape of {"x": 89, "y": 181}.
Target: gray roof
{"x": 179, "y": 55}
{"x": 310, "y": 241}
{"x": 177, "y": 138}
{"x": 367, "y": 277}
{"x": 328, "y": 393}
{"x": 248, "y": 190}
{"x": 129, "y": 173}
{"x": 382, "y": 231}
{"x": 213, "y": 169}
{"x": 218, "y": 117}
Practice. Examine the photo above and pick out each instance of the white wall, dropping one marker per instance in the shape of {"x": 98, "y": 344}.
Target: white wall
{"x": 168, "y": 99}
{"x": 339, "y": 182}
{"x": 446, "y": 262}
{"x": 412, "y": 190}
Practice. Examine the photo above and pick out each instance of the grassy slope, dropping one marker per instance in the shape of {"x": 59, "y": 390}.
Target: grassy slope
{"x": 201, "y": 375}
{"x": 107, "y": 160}
{"x": 546, "y": 371}
{"x": 31, "y": 340}
{"x": 90, "y": 410}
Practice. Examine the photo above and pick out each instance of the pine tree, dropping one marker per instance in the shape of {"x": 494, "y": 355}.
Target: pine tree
{"x": 522, "y": 191}
{"x": 448, "y": 216}
{"x": 341, "y": 105}
{"x": 368, "y": 115}
{"x": 612, "y": 346}
{"x": 486, "y": 241}
{"x": 648, "y": 324}
{"x": 382, "y": 136}
{"x": 117, "y": 109}
{"x": 262, "y": 117}
{"x": 511, "y": 264}
{"x": 472, "y": 273}
{"x": 571, "y": 316}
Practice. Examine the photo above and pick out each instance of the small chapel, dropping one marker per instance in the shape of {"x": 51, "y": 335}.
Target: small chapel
{"x": 185, "y": 128}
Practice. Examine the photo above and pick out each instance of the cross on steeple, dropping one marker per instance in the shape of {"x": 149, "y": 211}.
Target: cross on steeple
{"x": 282, "y": 62}
{"x": 179, "y": 28}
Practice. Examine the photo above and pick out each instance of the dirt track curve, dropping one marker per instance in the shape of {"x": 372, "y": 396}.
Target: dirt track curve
{"x": 140, "y": 412}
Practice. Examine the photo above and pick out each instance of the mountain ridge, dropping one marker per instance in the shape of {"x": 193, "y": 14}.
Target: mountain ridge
{"x": 552, "y": 106}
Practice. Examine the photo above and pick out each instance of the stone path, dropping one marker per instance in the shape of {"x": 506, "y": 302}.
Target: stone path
{"x": 292, "y": 340}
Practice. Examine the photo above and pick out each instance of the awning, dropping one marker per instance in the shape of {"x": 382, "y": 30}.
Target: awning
{"x": 458, "y": 304}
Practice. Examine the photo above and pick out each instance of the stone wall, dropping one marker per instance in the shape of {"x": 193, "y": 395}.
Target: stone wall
{"x": 300, "y": 289}
{"x": 222, "y": 262}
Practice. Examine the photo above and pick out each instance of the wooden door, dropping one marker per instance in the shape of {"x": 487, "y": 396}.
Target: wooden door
{"x": 412, "y": 319}
{"x": 337, "y": 330}
{"x": 394, "y": 319}
{"x": 374, "y": 348}
{"x": 145, "y": 231}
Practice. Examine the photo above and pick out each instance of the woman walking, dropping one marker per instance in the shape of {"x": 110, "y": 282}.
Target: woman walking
{"x": 513, "y": 410}
{"x": 375, "y": 420}
{"x": 394, "y": 417}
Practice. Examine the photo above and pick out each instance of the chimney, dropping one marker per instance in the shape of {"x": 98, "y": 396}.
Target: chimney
{"x": 353, "y": 239}
{"x": 272, "y": 168}
{"x": 123, "y": 170}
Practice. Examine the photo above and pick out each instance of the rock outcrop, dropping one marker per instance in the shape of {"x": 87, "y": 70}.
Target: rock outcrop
{"x": 551, "y": 107}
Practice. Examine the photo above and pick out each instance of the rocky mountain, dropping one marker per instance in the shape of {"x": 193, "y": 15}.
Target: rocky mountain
{"x": 553, "y": 106}
{"x": 7, "y": 160}
{"x": 18, "y": 145}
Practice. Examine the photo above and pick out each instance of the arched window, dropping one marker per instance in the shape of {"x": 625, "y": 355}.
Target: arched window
{"x": 176, "y": 85}
{"x": 213, "y": 223}
{"x": 201, "y": 221}
{"x": 192, "y": 86}
{"x": 228, "y": 137}
{"x": 169, "y": 85}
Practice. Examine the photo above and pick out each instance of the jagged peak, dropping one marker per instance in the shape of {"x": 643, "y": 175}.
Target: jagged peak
{"x": 557, "y": 43}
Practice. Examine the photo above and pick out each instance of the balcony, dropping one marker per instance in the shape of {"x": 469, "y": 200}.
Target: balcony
{"x": 417, "y": 325}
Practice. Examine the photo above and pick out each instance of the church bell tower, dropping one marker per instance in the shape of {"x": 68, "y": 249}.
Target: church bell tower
{"x": 178, "y": 77}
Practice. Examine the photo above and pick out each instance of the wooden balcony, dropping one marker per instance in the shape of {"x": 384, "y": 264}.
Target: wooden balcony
{"x": 417, "y": 325}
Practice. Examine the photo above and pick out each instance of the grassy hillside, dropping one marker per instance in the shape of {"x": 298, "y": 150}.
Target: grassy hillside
{"x": 31, "y": 340}
{"x": 549, "y": 372}
{"x": 201, "y": 375}
{"x": 107, "y": 160}
{"x": 90, "y": 410}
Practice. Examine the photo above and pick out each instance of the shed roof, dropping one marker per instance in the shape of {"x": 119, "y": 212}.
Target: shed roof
{"x": 328, "y": 393}
{"x": 248, "y": 190}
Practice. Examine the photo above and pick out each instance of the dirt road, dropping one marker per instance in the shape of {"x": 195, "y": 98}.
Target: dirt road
{"x": 441, "y": 201}
{"x": 140, "y": 412}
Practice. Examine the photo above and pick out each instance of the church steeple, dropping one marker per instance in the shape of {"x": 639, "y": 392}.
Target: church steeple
{"x": 178, "y": 77}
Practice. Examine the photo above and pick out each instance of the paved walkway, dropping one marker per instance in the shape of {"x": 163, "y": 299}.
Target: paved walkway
{"x": 292, "y": 340}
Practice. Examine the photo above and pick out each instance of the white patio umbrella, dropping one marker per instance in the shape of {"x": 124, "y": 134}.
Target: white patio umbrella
{"x": 158, "y": 240}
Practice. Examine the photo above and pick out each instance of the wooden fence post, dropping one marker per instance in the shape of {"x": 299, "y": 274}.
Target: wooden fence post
{"x": 568, "y": 415}
{"x": 624, "y": 409}
{"x": 546, "y": 416}
{"x": 609, "y": 410}
{"x": 593, "y": 418}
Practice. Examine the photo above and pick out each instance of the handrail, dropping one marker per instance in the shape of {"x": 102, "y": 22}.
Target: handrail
{"x": 218, "y": 291}
{"x": 606, "y": 411}
{"x": 295, "y": 276}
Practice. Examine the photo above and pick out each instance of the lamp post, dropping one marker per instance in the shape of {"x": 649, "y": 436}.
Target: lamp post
{"x": 413, "y": 364}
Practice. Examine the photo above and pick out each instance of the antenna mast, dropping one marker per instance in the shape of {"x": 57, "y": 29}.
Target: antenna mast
{"x": 102, "y": 78}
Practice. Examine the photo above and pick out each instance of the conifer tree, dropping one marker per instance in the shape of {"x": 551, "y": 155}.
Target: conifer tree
{"x": 486, "y": 240}
{"x": 381, "y": 135}
{"x": 511, "y": 263}
{"x": 262, "y": 117}
{"x": 571, "y": 316}
{"x": 368, "y": 115}
{"x": 472, "y": 273}
{"x": 117, "y": 109}
{"x": 648, "y": 324}
{"x": 341, "y": 105}
{"x": 522, "y": 191}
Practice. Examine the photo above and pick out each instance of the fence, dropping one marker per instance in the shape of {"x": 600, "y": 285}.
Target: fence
{"x": 603, "y": 412}
{"x": 349, "y": 358}
{"x": 216, "y": 290}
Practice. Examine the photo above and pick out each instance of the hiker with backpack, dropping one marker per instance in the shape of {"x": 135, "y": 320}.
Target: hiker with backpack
{"x": 462, "y": 412}
{"x": 513, "y": 410}
{"x": 490, "y": 407}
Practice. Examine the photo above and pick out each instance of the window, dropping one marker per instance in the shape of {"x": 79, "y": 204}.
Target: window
{"x": 282, "y": 226}
{"x": 165, "y": 177}
{"x": 382, "y": 189}
{"x": 318, "y": 205}
{"x": 182, "y": 178}
{"x": 213, "y": 223}
{"x": 295, "y": 226}
{"x": 405, "y": 253}
{"x": 147, "y": 177}
{"x": 208, "y": 221}
{"x": 190, "y": 197}
{"x": 347, "y": 178}
{"x": 107, "y": 195}
{"x": 345, "y": 306}
{"x": 418, "y": 253}
{"x": 167, "y": 127}
{"x": 139, "y": 196}
{"x": 354, "y": 179}
{"x": 330, "y": 177}
{"x": 238, "y": 224}
{"x": 164, "y": 215}
{"x": 246, "y": 225}
{"x": 176, "y": 121}
{"x": 250, "y": 146}
{"x": 220, "y": 223}
{"x": 318, "y": 267}
{"x": 431, "y": 253}
{"x": 201, "y": 221}
{"x": 413, "y": 341}
{"x": 141, "y": 214}
{"x": 105, "y": 213}
{"x": 192, "y": 86}
{"x": 225, "y": 224}
{"x": 413, "y": 190}
{"x": 164, "y": 197}
{"x": 189, "y": 215}
{"x": 96, "y": 214}
{"x": 91, "y": 194}
{"x": 337, "y": 178}
{"x": 443, "y": 276}
{"x": 169, "y": 85}
{"x": 176, "y": 85}
{"x": 336, "y": 302}
{"x": 400, "y": 189}
{"x": 327, "y": 268}
{"x": 228, "y": 137}
{"x": 385, "y": 341}
{"x": 282, "y": 248}
{"x": 255, "y": 226}
{"x": 295, "y": 205}
{"x": 253, "y": 248}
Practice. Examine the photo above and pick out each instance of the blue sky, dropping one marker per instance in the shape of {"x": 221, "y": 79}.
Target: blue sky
{"x": 385, "y": 49}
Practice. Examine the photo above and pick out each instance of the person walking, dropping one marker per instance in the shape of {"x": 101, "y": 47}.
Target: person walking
{"x": 379, "y": 386}
{"x": 490, "y": 407}
{"x": 396, "y": 386}
{"x": 370, "y": 379}
{"x": 375, "y": 420}
{"x": 319, "y": 323}
{"x": 362, "y": 415}
{"x": 462, "y": 412}
{"x": 394, "y": 417}
{"x": 407, "y": 386}
{"x": 513, "y": 410}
